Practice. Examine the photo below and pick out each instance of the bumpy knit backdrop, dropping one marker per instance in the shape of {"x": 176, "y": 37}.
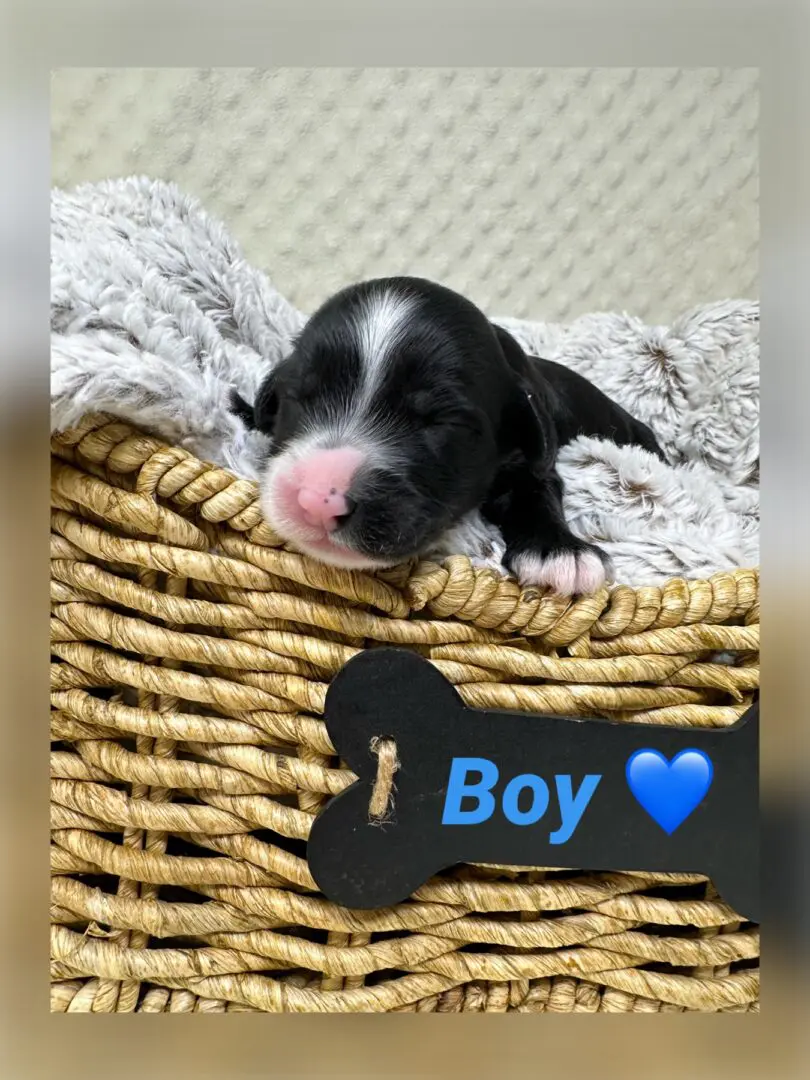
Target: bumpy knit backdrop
{"x": 156, "y": 314}
{"x": 544, "y": 193}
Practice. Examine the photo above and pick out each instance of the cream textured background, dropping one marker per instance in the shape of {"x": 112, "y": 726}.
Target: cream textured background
{"x": 540, "y": 193}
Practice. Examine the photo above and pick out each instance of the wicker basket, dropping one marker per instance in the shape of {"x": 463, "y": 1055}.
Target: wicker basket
{"x": 191, "y": 654}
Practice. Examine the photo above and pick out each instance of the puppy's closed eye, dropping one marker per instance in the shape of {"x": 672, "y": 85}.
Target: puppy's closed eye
{"x": 424, "y": 405}
{"x": 433, "y": 410}
{"x": 308, "y": 385}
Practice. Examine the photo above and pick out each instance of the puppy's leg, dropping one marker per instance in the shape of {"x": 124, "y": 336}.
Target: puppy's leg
{"x": 540, "y": 548}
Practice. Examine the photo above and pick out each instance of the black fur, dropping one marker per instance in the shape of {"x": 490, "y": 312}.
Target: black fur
{"x": 469, "y": 422}
{"x": 556, "y": 406}
{"x": 243, "y": 409}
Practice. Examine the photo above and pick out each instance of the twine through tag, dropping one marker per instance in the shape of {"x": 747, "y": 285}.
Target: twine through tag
{"x": 381, "y": 803}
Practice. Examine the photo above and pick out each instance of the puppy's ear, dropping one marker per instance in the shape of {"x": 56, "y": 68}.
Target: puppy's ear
{"x": 261, "y": 415}
{"x": 242, "y": 409}
{"x": 527, "y": 427}
{"x": 265, "y": 406}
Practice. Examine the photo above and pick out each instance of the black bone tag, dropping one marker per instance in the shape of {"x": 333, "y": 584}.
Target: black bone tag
{"x": 480, "y": 786}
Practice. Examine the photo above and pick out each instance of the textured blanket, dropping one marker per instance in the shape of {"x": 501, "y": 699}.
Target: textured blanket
{"x": 155, "y": 316}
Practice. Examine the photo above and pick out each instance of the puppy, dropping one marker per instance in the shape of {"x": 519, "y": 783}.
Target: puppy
{"x": 402, "y": 410}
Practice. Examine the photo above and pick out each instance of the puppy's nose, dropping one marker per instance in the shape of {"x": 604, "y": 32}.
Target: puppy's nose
{"x": 326, "y": 509}
{"x": 321, "y": 486}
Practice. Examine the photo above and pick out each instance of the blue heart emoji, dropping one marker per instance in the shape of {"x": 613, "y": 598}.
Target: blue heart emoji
{"x": 669, "y": 790}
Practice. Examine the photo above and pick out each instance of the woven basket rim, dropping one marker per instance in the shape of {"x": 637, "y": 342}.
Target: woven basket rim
{"x": 103, "y": 433}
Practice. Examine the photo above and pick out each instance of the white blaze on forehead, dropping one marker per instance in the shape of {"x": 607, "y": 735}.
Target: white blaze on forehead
{"x": 379, "y": 327}
{"x": 348, "y": 417}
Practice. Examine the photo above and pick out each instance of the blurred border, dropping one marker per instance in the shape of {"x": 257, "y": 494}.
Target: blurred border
{"x": 38, "y": 35}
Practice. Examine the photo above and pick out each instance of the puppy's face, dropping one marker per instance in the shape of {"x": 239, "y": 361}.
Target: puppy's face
{"x": 386, "y": 423}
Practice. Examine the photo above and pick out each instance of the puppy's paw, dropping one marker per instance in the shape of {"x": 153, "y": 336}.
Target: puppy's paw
{"x": 566, "y": 572}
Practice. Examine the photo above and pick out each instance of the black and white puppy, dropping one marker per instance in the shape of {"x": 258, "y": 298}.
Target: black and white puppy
{"x": 401, "y": 410}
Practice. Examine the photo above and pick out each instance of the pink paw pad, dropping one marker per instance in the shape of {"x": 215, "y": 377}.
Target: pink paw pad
{"x": 566, "y": 572}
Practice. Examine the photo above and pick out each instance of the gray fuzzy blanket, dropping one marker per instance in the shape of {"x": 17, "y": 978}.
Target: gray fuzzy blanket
{"x": 155, "y": 316}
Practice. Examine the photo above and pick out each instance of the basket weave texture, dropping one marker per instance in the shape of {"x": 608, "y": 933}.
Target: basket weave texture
{"x": 191, "y": 654}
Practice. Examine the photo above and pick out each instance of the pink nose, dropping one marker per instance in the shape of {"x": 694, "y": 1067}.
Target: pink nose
{"x": 321, "y": 508}
{"x": 320, "y": 485}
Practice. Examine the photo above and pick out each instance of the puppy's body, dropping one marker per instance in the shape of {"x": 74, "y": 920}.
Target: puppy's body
{"x": 525, "y": 499}
{"x": 401, "y": 410}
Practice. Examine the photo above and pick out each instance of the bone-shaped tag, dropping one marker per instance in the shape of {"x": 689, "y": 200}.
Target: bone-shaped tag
{"x": 440, "y": 784}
